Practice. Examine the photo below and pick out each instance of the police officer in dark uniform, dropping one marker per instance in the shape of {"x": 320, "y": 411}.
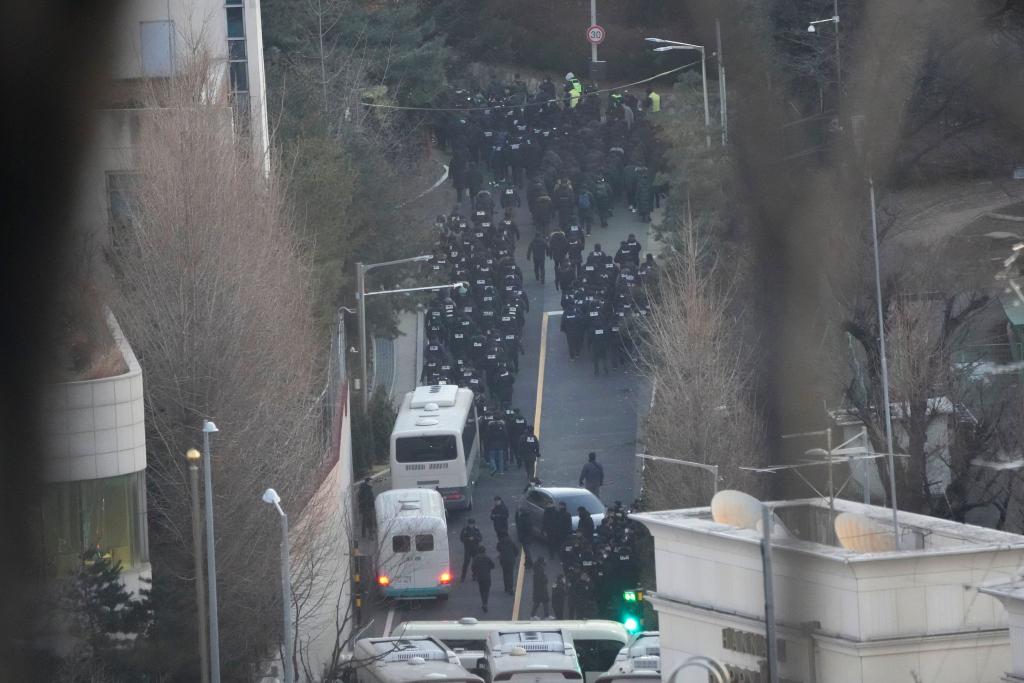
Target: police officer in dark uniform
{"x": 471, "y": 539}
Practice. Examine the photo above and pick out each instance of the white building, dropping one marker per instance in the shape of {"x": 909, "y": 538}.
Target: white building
{"x": 94, "y": 471}
{"x": 154, "y": 41}
{"x": 911, "y": 615}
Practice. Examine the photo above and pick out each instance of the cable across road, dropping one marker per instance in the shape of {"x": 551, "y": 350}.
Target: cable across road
{"x": 375, "y": 105}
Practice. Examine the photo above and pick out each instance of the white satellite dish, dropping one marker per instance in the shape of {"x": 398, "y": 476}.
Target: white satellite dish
{"x": 863, "y": 534}
{"x": 736, "y": 508}
{"x": 743, "y": 511}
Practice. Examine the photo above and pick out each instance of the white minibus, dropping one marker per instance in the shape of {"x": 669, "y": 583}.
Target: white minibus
{"x": 413, "y": 561}
{"x": 407, "y": 660}
{"x": 537, "y": 655}
{"x": 638, "y": 662}
{"x": 597, "y": 641}
{"x": 435, "y": 444}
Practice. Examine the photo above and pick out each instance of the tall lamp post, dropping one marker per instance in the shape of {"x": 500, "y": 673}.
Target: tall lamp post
{"x": 193, "y": 457}
{"x": 270, "y": 496}
{"x": 211, "y": 554}
{"x": 361, "y": 270}
{"x": 885, "y": 368}
{"x": 676, "y": 45}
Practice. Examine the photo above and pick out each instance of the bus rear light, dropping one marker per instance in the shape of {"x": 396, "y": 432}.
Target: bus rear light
{"x": 446, "y": 577}
{"x": 383, "y": 580}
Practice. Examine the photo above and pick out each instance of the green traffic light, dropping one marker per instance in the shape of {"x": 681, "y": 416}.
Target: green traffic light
{"x": 629, "y": 596}
{"x": 632, "y": 624}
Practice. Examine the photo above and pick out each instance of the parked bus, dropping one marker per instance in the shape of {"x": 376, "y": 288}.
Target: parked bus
{"x": 435, "y": 444}
{"x": 421, "y": 659}
{"x": 638, "y": 662}
{"x": 597, "y": 641}
{"x": 535, "y": 655}
{"x": 413, "y": 561}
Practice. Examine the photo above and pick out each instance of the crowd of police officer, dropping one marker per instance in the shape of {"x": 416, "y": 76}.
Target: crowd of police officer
{"x": 573, "y": 163}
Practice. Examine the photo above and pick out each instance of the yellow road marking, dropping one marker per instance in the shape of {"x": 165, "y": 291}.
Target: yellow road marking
{"x": 521, "y": 575}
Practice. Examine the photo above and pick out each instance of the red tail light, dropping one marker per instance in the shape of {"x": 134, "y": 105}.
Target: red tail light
{"x": 383, "y": 580}
{"x": 446, "y": 577}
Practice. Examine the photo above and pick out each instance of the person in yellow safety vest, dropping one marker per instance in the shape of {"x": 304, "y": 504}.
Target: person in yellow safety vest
{"x": 653, "y": 100}
{"x": 575, "y": 89}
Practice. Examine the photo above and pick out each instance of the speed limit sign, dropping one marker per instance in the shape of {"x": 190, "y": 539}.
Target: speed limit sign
{"x": 595, "y": 34}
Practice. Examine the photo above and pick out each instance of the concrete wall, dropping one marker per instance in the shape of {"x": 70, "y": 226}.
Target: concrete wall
{"x": 96, "y": 428}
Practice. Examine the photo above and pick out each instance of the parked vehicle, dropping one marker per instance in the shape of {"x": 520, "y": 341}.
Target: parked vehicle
{"x": 413, "y": 560}
{"x": 435, "y": 444}
{"x": 537, "y": 655}
{"x": 539, "y": 498}
{"x": 419, "y": 659}
{"x": 638, "y": 662}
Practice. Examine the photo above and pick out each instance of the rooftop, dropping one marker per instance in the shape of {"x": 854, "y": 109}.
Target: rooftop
{"x": 810, "y": 531}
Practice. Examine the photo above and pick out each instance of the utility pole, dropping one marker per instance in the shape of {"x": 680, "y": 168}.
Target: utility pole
{"x": 192, "y": 455}
{"x": 722, "y": 110}
{"x": 767, "y": 515}
{"x": 363, "y": 351}
{"x": 593, "y": 22}
{"x": 885, "y": 369}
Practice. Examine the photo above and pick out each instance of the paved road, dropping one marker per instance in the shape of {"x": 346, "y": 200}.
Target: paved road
{"x": 578, "y": 413}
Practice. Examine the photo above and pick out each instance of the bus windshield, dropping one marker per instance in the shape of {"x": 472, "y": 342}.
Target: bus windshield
{"x": 426, "y": 448}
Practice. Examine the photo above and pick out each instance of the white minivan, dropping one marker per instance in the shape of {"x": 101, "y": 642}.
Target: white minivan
{"x": 413, "y": 561}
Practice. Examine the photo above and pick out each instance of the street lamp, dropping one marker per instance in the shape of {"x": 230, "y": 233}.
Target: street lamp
{"x": 834, "y": 19}
{"x": 193, "y": 457}
{"x": 361, "y": 294}
{"x": 669, "y": 45}
{"x": 270, "y": 496}
{"x": 211, "y": 554}
{"x": 885, "y": 367}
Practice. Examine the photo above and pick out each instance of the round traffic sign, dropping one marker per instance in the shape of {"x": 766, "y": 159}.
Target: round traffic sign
{"x": 595, "y": 34}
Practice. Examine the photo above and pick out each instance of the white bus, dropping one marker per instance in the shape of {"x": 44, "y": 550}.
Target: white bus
{"x": 435, "y": 444}
{"x": 638, "y": 662}
{"x": 413, "y": 561}
{"x": 597, "y": 641}
{"x": 539, "y": 655}
{"x": 407, "y": 660}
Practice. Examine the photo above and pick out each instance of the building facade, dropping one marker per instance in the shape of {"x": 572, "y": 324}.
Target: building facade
{"x": 914, "y": 615}
{"x": 94, "y": 472}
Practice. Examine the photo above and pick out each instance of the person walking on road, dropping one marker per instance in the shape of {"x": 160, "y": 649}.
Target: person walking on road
{"x": 592, "y": 475}
{"x": 529, "y": 452}
{"x": 524, "y": 530}
{"x": 364, "y": 498}
{"x": 540, "y": 590}
{"x": 585, "y": 525}
{"x": 507, "y": 555}
{"x": 558, "y": 595}
{"x": 471, "y": 539}
{"x": 482, "y": 568}
{"x": 499, "y": 517}
{"x": 537, "y": 252}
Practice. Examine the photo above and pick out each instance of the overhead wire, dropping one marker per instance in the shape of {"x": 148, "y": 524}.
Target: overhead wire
{"x": 600, "y": 91}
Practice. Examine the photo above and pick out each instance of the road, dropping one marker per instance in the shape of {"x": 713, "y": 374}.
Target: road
{"x": 574, "y": 412}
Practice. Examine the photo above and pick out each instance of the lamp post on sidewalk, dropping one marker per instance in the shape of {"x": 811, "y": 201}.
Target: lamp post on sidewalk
{"x": 361, "y": 270}
{"x": 211, "y": 554}
{"x": 193, "y": 457}
{"x": 676, "y": 45}
{"x": 270, "y": 496}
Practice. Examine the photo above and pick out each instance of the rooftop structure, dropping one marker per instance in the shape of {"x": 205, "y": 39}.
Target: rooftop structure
{"x": 842, "y": 614}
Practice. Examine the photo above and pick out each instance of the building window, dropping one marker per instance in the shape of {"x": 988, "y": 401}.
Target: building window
{"x": 107, "y": 516}
{"x": 238, "y": 65}
{"x": 157, "y": 41}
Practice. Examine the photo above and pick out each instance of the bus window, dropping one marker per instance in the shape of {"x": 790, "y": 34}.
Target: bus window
{"x": 468, "y": 435}
{"x": 400, "y": 544}
{"x": 425, "y": 448}
{"x": 469, "y": 645}
{"x": 596, "y": 655}
{"x": 424, "y": 542}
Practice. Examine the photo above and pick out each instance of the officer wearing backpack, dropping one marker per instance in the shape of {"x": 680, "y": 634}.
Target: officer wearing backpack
{"x": 585, "y": 204}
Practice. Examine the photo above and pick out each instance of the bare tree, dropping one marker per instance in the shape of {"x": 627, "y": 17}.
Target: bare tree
{"x": 698, "y": 354}
{"x": 216, "y": 300}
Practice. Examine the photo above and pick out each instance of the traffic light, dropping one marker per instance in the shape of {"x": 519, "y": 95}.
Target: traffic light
{"x": 633, "y": 609}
